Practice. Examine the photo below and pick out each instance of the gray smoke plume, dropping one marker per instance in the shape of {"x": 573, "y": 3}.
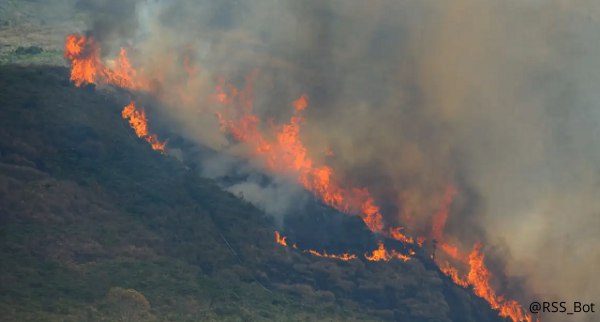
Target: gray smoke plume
{"x": 496, "y": 97}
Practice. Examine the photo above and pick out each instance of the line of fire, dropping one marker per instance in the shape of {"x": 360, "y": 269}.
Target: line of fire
{"x": 281, "y": 151}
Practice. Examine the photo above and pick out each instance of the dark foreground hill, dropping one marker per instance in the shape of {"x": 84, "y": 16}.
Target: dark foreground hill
{"x": 95, "y": 226}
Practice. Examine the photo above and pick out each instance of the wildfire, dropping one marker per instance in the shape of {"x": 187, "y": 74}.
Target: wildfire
{"x": 286, "y": 153}
{"x": 396, "y": 233}
{"x": 281, "y": 240}
{"x": 84, "y": 56}
{"x": 283, "y": 152}
{"x": 453, "y": 274}
{"x": 87, "y": 67}
{"x": 343, "y": 257}
{"x": 139, "y": 123}
{"x": 440, "y": 218}
{"x": 479, "y": 277}
{"x": 452, "y": 251}
{"x": 382, "y": 254}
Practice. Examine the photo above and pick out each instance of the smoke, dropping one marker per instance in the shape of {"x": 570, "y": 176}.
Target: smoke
{"x": 276, "y": 196}
{"x": 516, "y": 83}
{"x": 496, "y": 97}
{"x": 110, "y": 20}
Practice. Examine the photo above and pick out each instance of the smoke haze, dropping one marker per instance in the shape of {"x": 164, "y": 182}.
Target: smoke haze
{"x": 498, "y": 98}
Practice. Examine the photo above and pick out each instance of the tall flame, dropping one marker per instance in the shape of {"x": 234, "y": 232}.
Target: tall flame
{"x": 396, "y": 233}
{"x": 440, "y": 218}
{"x": 382, "y": 254}
{"x": 139, "y": 123}
{"x": 453, "y": 274}
{"x": 88, "y": 68}
{"x": 286, "y": 153}
{"x": 281, "y": 240}
{"x": 84, "y": 55}
{"x": 479, "y": 277}
{"x": 283, "y": 152}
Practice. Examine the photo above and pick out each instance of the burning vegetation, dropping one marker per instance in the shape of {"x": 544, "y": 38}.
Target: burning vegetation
{"x": 87, "y": 66}
{"x": 379, "y": 254}
{"x": 281, "y": 151}
{"x": 281, "y": 240}
{"x": 139, "y": 123}
{"x": 285, "y": 153}
{"x": 382, "y": 254}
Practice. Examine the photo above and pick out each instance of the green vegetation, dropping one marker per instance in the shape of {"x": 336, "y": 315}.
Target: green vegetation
{"x": 31, "y": 55}
{"x": 33, "y": 31}
{"x": 95, "y": 226}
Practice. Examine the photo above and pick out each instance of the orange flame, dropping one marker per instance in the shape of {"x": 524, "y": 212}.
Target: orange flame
{"x": 343, "y": 257}
{"x": 382, "y": 254}
{"x": 440, "y": 218}
{"x": 396, "y": 233}
{"x": 453, "y": 274}
{"x": 84, "y": 56}
{"x": 452, "y": 251}
{"x": 281, "y": 240}
{"x": 139, "y": 123}
{"x": 479, "y": 277}
{"x": 286, "y": 153}
{"x": 88, "y": 68}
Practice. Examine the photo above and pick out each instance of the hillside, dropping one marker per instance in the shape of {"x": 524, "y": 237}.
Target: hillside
{"x": 98, "y": 227}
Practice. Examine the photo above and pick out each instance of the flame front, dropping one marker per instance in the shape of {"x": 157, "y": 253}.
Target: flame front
{"x": 453, "y": 274}
{"x": 139, "y": 123}
{"x": 287, "y": 154}
{"x": 343, "y": 257}
{"x": 379, "y": 254}
{"x": 396, "y": 233}
{"x": 281, "y": 240}
{"x": 382, "y": 254}
{"x": 87, "y": 67}
{"x": 283, "y": 152}
{"x": 440, "y": 218}
{"x": 479, "y": 277}
{"x": 84, "y": 55}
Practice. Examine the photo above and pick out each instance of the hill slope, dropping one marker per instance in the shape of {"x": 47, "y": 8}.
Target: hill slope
{"x": 95, "y": 226}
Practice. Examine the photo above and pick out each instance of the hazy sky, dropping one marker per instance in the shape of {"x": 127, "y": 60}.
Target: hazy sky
{"x": 496, "y": 97}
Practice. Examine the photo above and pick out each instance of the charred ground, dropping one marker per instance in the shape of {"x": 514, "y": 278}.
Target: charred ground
{"x": 95, "y": 226}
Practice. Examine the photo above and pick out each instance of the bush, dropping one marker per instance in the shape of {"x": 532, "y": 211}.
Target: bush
{"x": 31, "y": 50}
{"x": 126, "y": 305}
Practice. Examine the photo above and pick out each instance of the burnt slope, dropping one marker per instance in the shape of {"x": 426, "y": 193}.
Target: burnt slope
{"x": 95, "y": 226}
